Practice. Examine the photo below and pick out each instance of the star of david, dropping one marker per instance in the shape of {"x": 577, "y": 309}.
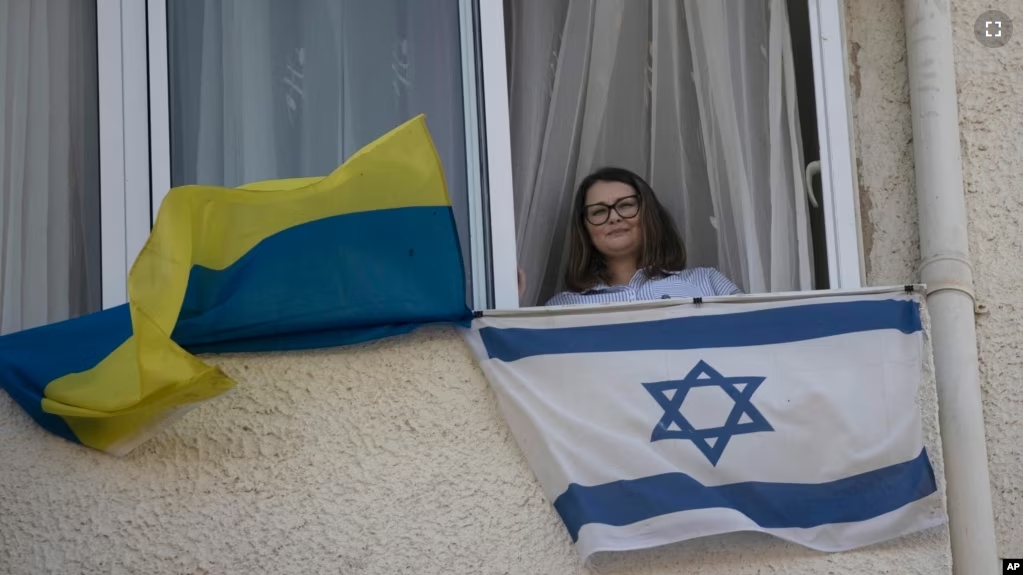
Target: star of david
{"x": 740, "y": 389}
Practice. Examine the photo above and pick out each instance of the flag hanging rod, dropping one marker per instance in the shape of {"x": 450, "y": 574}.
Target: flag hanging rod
{"x": 660, "y": 303}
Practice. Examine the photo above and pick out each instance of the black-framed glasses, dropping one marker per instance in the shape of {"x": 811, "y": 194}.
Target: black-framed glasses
{"x": 627, "y": 207}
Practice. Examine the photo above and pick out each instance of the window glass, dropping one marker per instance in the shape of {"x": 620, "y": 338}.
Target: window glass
{"x": 49, "y": 163}
{"x": 698, "y": 98}
{"x": 266, "y": 89}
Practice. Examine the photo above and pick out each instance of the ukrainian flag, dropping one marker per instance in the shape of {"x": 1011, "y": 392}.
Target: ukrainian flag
{"x": 364, "y": 253}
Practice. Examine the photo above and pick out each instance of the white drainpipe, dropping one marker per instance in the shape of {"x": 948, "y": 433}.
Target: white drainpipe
{"x": 946, "y": 269}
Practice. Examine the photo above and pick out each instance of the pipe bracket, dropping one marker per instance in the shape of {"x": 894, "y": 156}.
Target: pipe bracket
{"x": 948, "y": 272}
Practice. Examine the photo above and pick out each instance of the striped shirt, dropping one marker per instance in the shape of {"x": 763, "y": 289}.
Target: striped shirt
{"x": 693, "y": 282}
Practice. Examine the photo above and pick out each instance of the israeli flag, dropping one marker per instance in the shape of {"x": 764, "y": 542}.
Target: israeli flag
{"x": 652, "y": 425}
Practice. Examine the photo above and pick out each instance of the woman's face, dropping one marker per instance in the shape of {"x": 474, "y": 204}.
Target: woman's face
{"x": 620, "y": 235}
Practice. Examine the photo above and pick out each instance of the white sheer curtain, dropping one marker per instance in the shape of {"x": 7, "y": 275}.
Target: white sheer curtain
{"x": 49, "y": 163}
{"x": 264, "y": 89}
{"x": 697, "y": 97}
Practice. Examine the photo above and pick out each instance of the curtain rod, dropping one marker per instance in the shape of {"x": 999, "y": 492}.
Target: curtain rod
{"x": 659, "y": 303}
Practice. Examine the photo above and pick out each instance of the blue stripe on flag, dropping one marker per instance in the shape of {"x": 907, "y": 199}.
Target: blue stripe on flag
{"x": 761, "y": 327}
{"x": 770, "y": 505}
{"x": 335, "y": 281}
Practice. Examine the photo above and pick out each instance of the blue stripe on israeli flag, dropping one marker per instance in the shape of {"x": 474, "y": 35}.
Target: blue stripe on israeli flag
{"x": 760, "y": 327}
{"x": 772, "y": 505}
{"x": 652, "y": 426}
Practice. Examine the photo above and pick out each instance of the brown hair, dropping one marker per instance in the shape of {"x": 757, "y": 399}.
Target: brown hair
{"x": 662, "y": 251}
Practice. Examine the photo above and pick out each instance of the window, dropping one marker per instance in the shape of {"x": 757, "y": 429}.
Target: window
{"x": 183, "y": 76}
{"x": 50, "y": 255}
{"x": 703, "y": 100}
{"x": 314, "y": 80}
{"x": 263, "y": 89}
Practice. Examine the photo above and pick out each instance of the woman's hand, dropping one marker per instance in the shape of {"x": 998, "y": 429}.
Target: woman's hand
{"x": 521, "y": 275}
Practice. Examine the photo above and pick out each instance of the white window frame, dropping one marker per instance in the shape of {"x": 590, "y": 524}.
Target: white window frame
{"x": 835, "y": 145}
{"x": 135, "y": 142}
{"x": 499, "y": 155}
{"x": 124, "y": 142}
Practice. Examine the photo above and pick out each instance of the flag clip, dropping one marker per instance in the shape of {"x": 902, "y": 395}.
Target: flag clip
{"x": 908, "y": 288}
{"x": 698, "y": 299}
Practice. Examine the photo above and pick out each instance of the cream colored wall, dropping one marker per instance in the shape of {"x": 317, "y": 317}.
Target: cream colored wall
{"x": 392, "y": 457}
{"x": 989, "y": 97}
{"x": 385, "y": 458}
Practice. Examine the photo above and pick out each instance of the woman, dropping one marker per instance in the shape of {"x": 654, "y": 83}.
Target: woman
{"x": 624, "y": 247}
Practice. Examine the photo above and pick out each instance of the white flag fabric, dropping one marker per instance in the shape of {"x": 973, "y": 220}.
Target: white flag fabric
{"x": 652, "y": 426}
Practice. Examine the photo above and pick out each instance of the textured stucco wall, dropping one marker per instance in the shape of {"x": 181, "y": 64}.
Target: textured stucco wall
{"x": 989, "y": 97}
{"x": 390, "y": 457}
